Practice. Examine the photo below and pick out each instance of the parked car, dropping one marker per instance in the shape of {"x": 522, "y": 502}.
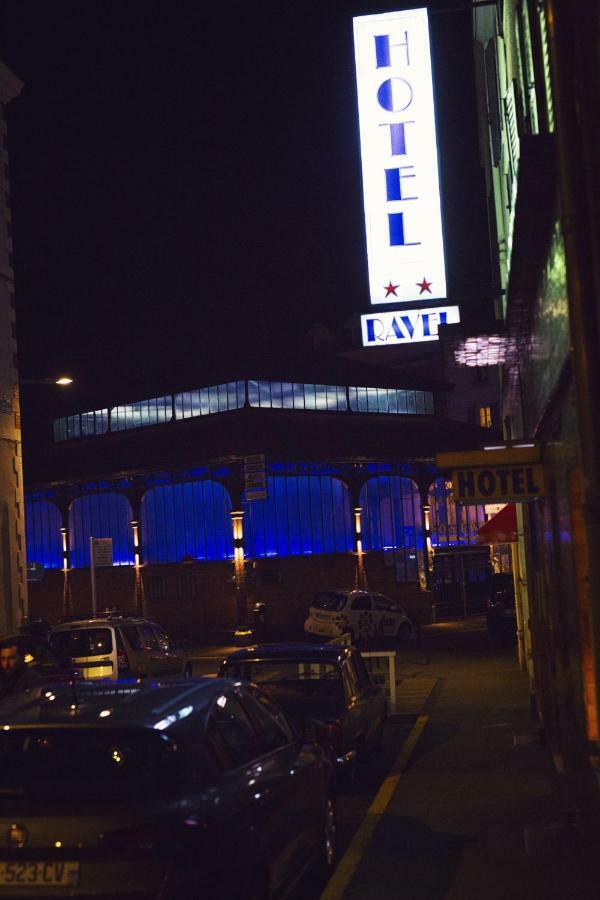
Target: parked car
{"x": 501, "y": 614}
{"x": 329, "y": 683}
{"x": 174, "y": 789}
{"x": 361, "y": 614}
{"x": 118, "y": 646}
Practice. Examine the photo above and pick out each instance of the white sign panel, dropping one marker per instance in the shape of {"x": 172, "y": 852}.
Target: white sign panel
{"x": 406, "y": 326}
{"x": 405, "y": 246}
{"x": 101, "y": 551}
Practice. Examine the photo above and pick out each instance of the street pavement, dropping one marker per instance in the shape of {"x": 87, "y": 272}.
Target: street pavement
{"x": 463, "y": 802}
{"x": 476, "y": 811}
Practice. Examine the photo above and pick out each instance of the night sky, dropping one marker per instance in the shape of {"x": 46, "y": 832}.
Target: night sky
{"x": 186, "y": 181}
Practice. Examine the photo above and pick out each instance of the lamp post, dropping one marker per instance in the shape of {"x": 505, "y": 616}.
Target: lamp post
{"x": 59, "y": 380}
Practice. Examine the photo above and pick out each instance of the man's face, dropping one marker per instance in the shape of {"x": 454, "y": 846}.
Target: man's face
{"x": 9, "y": 658}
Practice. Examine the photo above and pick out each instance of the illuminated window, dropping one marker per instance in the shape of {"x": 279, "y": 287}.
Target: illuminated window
{"x": 94, "y": 422}
{"x": 390, "y": 400}
{"x": 288, "y": 395}
{"x": 73, "y": 427}
{"x": 141, "y": 413}
{"x": 231, "y": 395}
{"x": 60, "y": 430}
{"x": 210, "y": 400}
{"x": 485, "y": 416}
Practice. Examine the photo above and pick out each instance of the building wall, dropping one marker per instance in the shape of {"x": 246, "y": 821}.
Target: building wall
{"x": 533, "y": 104}
{"x": 13, "y": 584}
{"x": 196, "y": 601}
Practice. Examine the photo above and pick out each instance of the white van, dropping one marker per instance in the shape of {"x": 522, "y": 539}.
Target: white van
{"x": 115, "y": 646}
{"x": 361, "y": 614}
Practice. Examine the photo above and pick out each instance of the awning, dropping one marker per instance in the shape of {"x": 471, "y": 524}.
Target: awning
{"x": 501, "y": 528}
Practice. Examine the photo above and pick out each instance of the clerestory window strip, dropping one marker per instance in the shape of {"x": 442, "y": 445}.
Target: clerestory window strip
{"x": 233, "y": 395}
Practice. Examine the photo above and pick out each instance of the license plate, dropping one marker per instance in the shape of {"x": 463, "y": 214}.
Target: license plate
{"x": 39, "y": 874}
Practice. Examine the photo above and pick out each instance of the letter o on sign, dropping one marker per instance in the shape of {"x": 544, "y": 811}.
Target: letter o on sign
{"x": 395, "y": 94}
{"x": 486, "y": 482}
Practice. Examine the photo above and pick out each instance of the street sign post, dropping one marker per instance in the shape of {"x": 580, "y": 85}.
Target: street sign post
{"x": 101, "y": 554}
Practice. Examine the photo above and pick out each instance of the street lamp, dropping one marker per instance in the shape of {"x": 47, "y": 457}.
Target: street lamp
{"x": 61, "y": 380}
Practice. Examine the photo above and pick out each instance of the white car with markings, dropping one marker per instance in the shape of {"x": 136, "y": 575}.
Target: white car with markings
{"x": 361, "y": 614}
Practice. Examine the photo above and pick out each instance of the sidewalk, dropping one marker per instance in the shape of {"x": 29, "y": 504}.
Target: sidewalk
{"x": 475, "y": 815}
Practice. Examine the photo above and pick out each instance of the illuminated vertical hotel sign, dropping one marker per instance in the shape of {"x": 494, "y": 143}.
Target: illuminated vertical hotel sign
{"x": 403, "y": 220}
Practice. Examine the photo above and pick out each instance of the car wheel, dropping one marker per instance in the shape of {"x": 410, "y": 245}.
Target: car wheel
{"x": 404, "y": 632}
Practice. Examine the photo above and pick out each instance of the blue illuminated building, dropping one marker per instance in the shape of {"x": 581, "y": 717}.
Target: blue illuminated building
{"x": 163, "y": 476}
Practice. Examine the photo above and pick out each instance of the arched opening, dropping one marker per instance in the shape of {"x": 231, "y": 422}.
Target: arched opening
{"x": 186, "y": 519}
{"x": 43, "y": 522}
{"x": 392, "y": 521}
{"x": 301, "y": 515}
{"x": 103, "y": 516}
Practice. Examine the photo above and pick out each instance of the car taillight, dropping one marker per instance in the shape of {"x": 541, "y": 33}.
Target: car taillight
{"x": 122, "y": 660}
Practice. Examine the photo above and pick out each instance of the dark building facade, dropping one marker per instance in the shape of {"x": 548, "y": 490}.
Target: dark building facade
{"x": 539, "y": 87}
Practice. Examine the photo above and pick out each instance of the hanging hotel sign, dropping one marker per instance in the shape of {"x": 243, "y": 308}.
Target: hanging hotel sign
{"x": 406, "y": 326}
{"x": 502, "y": 475}
{"x": 403, "y": 220}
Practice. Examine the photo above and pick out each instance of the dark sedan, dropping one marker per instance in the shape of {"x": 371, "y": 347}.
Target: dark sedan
{"x": 328, "y": 683}
{"x": 186, "y": 789}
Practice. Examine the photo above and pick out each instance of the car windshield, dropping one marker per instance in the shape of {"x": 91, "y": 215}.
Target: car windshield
{"x": 332, "y": 601}
{"x": 82, "y": 642}
{"x": 71, "y": 762}
{"x": 302, "y": 688}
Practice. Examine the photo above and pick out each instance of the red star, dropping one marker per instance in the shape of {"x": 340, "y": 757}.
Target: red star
{"x": 424, "y": 285}
{"x": 391, "y": 289}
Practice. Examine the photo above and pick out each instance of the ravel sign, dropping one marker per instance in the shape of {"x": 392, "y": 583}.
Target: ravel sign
{"x": 403, "y": 219}
{"x": 510, "y": 474}
{"x": 406, "y": 326}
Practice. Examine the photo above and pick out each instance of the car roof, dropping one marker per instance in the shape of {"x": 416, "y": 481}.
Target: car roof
{"x": 97, "y": 621}
{"x": 131, "y": 703}
{"x": 314, "y": 652}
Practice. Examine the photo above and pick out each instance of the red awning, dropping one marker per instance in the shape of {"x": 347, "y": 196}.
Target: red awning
{"x": 501, "y": 528}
